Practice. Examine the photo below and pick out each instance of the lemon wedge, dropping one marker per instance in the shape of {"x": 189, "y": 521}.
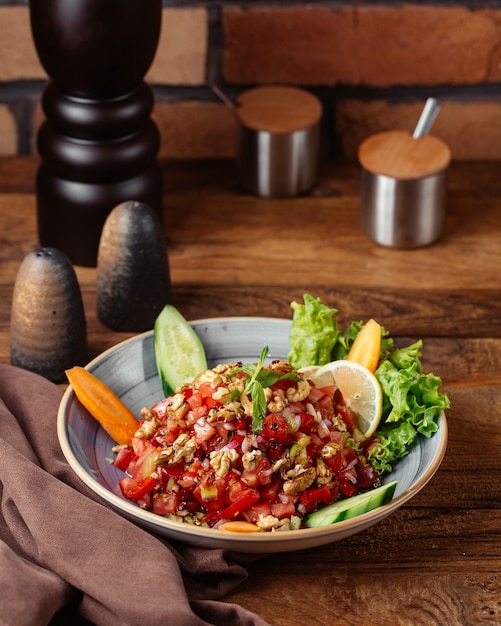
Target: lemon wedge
{"x": 360, "y": 389}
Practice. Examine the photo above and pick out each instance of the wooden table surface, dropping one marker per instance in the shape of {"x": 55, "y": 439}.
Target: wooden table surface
{"x": 437, "y": 560}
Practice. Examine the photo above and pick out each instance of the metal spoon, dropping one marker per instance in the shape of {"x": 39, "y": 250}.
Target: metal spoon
{"x": 222, "y": 96}
{"x": 428, "y": 115}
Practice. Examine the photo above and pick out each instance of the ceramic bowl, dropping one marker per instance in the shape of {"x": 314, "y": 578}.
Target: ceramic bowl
{"x": 129, "y": 369}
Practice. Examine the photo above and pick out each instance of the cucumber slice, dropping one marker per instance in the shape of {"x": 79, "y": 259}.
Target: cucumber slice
{"x": 179, "y": 353}
{"x": 351, "y": 507}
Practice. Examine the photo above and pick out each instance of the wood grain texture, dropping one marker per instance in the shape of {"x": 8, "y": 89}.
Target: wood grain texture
{"x": 436, "y": 560}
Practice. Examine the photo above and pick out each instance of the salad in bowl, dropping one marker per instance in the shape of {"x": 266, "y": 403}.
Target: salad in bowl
{"x": 275, "y": 444}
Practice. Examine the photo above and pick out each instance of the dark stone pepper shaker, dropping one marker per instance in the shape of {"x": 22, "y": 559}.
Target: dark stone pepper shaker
{"x": 132, "y": 280}
{"x": 48, "y": 327}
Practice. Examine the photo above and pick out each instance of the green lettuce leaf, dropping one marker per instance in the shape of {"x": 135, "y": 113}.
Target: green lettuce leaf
{"x": 313, "y": 333}
{"x": 412, "y": 401}
{"x": 396, "y": 442}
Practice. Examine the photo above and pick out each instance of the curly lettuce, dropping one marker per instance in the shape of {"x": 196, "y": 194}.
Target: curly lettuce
{"x": 313, "y": 333}
{"x": 412, "y": 403}
{"x": 412, "y": 400}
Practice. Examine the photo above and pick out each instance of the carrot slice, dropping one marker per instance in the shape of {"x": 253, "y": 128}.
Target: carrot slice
{"x": 104, "y": 406}
{"x": 240, "y": 527}
{"x": 366, "y": 348}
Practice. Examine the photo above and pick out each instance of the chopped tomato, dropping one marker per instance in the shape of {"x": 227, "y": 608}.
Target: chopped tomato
{"x": 275, "y": 429}
{"x": 165, "y": 503}
{"x": 246, "y": 500}
{"x": 190, "y": 477}
{"x": 270, "y": 491}
{"x": 140, "y": 489}
{"x": 160, "y": 408}
{"x": 283, "y": 509}
{"x": 312, "y": 497}
{"x": 257, "y": 511}
{"x": 307, "y": 422}
{"x": 299, "y": 434}
{"x": 203, "y": 430}
{"x": 123, "y": 458}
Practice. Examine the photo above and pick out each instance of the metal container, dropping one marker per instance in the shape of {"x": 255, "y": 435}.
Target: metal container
{"x": 403, "y": 213}
{"x": 279, "y": 141}
{"x": 403, "y": 189}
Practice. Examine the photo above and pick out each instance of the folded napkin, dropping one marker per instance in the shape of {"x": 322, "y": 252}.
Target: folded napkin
{"x": 67, "y": 558}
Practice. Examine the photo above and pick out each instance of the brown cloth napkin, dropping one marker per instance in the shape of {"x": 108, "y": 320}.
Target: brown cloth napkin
{"x": 67, "y": 558}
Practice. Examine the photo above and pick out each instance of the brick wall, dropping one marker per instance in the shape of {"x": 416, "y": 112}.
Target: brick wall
{"x": 372, "y": 64}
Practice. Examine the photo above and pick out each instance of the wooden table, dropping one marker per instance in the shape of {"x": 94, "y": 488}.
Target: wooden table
{"x": 437, "y": 560}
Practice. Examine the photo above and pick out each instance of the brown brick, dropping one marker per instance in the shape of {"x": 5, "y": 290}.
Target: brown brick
{"x": 182, "y": 49}
{"x": 8, "y": 132}
{"x": 18, "y": 58}
{"x": 192, "y": 130}
{"x": 471, "y": 129}
{"x": 371, "y": 45}
{"x": 307, "y": 45}
{"x": 424, "y": 45}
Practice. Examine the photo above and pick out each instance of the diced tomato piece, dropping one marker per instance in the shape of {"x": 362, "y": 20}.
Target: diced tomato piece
{"x": 234, "y": 491}
{"x": 173, "y": 470}
{"x": 349, "y": 455}
{"x": 250, "y": 479}
{"x": 221, "y": 429}
{"x": 195, "y": 400}
{"x": 241, "y": 424}
{"x": 346, "y": 488}
{"x": 248, "y": 498}
{"x": 126, "y": 484}
{"x": 275, "y": 450}
{"x": 261, "y": 475}
{"x": 311, "y": 497}
{"x": 206, "y": 390}
{"x": 159, "y": 409}
{"x": 275, "y": 429}
{"x": 349, "y": 418}
{"x": 307, "y": 423}
{"x": 315, "y": 394}
{"x": 165, "y": 503}
{"x": 191, "y": 475}
{"x": 329, "y": 391}
{"x": 367, "y": 476}
{"x": 211, "y": 493}
{"x": 326, "y": 407}
{"x": 335, "y": 462}
{"x": 270, "y": 491}
{"x": 257, "y": 511}
{"x": 145, "y": 486}
{"x": 203, "y": 430}
{"x": 284, "y": 383}
{"x": 283, "y": 509}
{"x": 123, "y": 458}
{"x": 195, "y": 414}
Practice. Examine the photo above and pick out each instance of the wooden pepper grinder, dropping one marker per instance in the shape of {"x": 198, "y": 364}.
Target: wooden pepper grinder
{"x": 98, "y": 144}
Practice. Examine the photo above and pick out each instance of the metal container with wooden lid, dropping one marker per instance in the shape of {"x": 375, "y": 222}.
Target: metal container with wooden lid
{"x": 404, "y": 188}
{"x": 278, "y": 146}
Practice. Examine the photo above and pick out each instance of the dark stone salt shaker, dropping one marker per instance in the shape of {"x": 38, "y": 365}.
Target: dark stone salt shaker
{"x": 48, "y": 327}
{"x": 132, "y": 280}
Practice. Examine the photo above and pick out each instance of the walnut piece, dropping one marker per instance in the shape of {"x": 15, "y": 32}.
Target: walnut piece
{"x": 222, "y": 461}
{"x": 299, "y": 479}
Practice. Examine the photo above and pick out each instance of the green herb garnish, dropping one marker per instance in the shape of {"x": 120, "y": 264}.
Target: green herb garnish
{"x": 260, "y": 379}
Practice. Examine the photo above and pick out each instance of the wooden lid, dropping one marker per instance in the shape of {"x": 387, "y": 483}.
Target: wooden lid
{"x": 397, "y": 154}
{"x": 278, "y": 109}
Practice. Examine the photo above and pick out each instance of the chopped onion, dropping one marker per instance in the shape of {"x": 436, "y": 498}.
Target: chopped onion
{"x": 323, "y": 430}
